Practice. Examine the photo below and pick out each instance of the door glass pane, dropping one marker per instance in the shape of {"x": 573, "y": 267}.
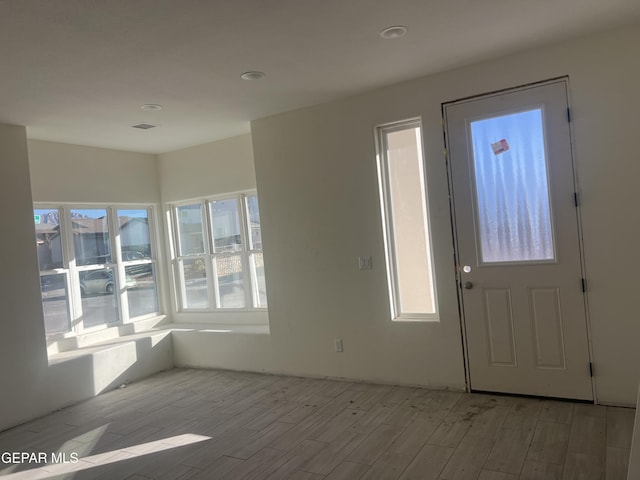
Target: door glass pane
{"x": 55, "y": 303}
{"x": 512, "y": 190}
{"x": 255, "y": 232}
{"x": 194, "y": 278}
{"x": 48, "y": 238}
{"x": 91, "y": 236}
{"x": 190, "y": 229}
{"x": 225, "y": 223}
{"x": 98, "y": 289}
{"x": 230, "y": 281}
{"x": 134, "y": 234}
{"x": 141, "y": 289}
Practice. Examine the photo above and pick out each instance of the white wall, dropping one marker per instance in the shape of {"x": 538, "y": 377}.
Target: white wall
{"x": 213, "y": 168}
{"x": 316, "y": 178}
{"x": 23, "y": 352}
{"x": 74, "y": 173}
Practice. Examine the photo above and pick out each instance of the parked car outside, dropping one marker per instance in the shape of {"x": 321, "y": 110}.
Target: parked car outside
{"x": 101, "y": 281}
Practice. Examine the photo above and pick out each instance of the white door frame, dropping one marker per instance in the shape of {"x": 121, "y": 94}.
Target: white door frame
{"x": 454, "y": 229}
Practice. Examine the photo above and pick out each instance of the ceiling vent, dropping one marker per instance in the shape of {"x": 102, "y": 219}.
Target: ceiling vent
{"x": 144, "y": 126}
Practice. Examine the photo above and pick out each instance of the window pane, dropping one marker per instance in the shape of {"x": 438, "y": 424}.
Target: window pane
{"x": 55, "y": 303}
{"x": 91, "y": 236}
{"x": 134, "y": 234}
{"x": 190, "y": 230}
{"x": 141, "y": 289}
{"x": 98, "y": 288}
{"x": 512, "y": 188}
{"x": 48, "y": 238}
{"x": 255, "y": 232}
{"x": 257, "y": 267}
{"x": 225, "y": 223}
{"x": 409, "y": 227}
{"x": 194, "y": 279}
{"x": 230, "y": 281}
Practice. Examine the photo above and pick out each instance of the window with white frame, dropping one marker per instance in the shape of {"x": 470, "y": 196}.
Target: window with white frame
{"x": 405, "y": 211}
{"x": 219, "y": 262}
{"x": 97, "y": 266}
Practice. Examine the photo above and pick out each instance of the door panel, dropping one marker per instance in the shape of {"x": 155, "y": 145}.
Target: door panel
{"x": 499, "y": 318}
{"x": 546, "y": 326}
{"x": 518, "y": 243}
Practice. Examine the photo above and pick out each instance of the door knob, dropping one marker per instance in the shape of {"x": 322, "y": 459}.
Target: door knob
{"x": 467, "y": 285}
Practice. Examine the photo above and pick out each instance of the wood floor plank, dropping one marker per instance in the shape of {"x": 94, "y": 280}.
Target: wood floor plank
{"x": 337, "y": 425}
{"x": 468, "y": 458}
{"x": 451, "y": 430}
{"x": 620, "y": 427}
{"x": 549, "y": 444}
{"x": 555, "y": 411}
{"x": 616, "y": 463}
{"x": 489, "y": 420}
{"x": 375, "y": 444}
{"x": 583, "y": 466}
{"x": 300, "y": 475}
{"x": 293, "y": 460}
{"x": 532, "y": 470}
{"x": 428, "y": 463}
{"x": 413, "y": 437}
{"x": 256, "y": 466}
{"x": 389, "y": 466}
{"x": 217, "y": 469}
{"x": 510, "y": 450}
{"x": 491, "y": 475}
{"x": 348, "y": 471}
{"x": 588, "y": 435}
{"x": 328, "y": 458}
{"x": 524, "y": 413}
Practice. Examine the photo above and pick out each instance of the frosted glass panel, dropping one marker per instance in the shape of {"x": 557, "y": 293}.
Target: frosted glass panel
{"x": 514, "y": 215}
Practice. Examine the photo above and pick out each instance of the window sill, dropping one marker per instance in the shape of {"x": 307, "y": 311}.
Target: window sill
{"x": 59, "y": 344}
{"x": 115, "y": 337}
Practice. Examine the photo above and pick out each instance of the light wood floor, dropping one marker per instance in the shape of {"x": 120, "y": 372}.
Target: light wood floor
{"x": 272, "y": 427}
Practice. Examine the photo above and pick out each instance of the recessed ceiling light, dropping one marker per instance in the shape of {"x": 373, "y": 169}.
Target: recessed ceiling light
{"x": 396, "y": 31}
{"x": 150, "y": 107}
{"x": 144, "y": 126}
{"x": 254, "y": 75}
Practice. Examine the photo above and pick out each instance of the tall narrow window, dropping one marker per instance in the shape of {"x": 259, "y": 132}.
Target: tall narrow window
{"x": 406, "y": 218}
{"x": 138, "y": 262}
{"x": 192, "y": 260}
{"x": 54, "y": 277}
{"x": 98, "y": 282}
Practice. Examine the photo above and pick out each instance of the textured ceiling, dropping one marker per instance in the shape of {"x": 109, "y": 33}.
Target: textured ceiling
{"x": 77, "y": 71}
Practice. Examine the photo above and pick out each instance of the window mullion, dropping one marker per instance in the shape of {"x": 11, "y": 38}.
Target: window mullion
{"x": 248, "y": 277}
{"x": 69, "y": 257}
{"x": 210, "y": 251}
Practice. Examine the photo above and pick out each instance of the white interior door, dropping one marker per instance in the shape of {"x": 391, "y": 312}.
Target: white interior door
{"x": 518, "y": 244}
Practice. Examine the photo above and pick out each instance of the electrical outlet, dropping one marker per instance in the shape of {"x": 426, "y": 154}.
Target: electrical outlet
{"x": 337, "y": 345}
{"x": 365, "y": 263}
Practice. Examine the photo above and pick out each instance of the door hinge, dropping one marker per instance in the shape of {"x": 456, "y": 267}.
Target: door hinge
{"x": 569, "y": 115}
{"x": 591, "y": 369}
{"x": 576, "y": 199}
{"x": 584, "y": 285}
